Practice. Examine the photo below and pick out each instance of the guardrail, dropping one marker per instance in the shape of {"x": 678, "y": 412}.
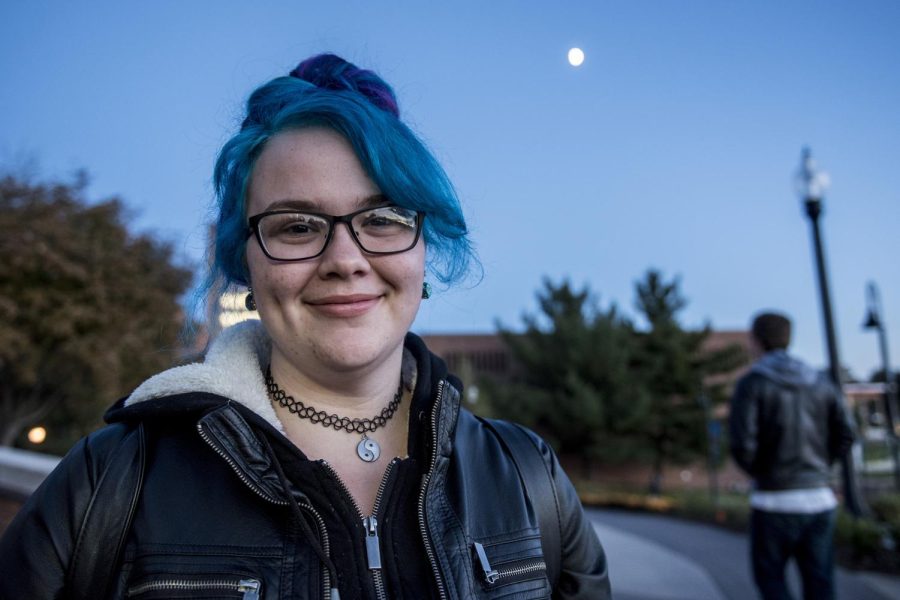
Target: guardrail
{"x": 22, "y": 471}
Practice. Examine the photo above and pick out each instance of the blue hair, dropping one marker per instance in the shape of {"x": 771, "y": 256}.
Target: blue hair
{"x": 327, "y": 91}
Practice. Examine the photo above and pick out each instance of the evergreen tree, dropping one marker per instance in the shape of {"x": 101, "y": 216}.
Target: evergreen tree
{"x": 672, "y": 366}
{"x": 574, "y": 384}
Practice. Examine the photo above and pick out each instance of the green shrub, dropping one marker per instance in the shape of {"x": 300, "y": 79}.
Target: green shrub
{"x": 859, "y": 543}
{"x": 865, "y": 544}
{"x": 887, "y": 508}
{"x": 862, "y": 536}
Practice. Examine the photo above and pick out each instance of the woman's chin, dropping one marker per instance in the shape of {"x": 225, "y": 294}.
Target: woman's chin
{"x": 350, "y": 355}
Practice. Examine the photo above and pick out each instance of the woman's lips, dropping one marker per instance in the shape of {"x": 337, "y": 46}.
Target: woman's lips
{"x": 351, "y": 305}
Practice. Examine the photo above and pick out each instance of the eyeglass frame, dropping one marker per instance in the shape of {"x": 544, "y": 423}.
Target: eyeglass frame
{"x": 253, "y": 229}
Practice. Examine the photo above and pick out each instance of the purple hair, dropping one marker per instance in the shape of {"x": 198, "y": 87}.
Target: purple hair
{"x": 330, "y": 72}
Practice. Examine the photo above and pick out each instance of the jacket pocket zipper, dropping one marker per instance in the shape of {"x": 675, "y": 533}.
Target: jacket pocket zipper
{"x": 249, "y": 587}
{"x": 518, "y": 570}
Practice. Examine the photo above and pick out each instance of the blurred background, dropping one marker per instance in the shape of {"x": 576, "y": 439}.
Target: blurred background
{"x": 638, "y": 207}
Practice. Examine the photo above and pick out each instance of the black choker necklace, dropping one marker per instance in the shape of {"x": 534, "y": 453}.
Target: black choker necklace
{"x": 367, "y": 449}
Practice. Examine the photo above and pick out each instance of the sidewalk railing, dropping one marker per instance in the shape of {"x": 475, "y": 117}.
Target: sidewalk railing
{"x": 21, "y": 471}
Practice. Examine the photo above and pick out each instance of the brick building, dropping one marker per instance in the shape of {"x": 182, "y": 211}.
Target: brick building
{"x": 485, "y": 354}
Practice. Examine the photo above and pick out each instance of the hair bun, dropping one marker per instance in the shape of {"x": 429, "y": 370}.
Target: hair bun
{"x": 331, "y": 72}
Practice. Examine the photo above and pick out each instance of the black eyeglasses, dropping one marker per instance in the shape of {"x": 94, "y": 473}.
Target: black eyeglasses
{"x": 289, "y": 235}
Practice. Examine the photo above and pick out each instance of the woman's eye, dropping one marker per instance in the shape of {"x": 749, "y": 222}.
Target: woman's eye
{"x": 379, "y": 221}
{"x": 295, "y": 228}
{"x": 388, "y": 219}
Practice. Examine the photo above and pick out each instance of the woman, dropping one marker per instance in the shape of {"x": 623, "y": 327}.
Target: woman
{"x": 322, "y": 451}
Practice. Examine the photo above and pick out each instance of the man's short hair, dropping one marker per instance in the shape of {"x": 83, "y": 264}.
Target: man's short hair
{"x": 772, "y": 330}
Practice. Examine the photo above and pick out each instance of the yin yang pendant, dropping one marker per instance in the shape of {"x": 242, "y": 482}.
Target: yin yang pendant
{"x": 368, "y": 449}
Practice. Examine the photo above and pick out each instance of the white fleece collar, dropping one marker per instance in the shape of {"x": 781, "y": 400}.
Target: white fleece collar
{"x": 232, "y": 369}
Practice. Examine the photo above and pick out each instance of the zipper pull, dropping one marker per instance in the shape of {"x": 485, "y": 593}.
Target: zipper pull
{"x": 373, "y": 550}
{"x": 490, "y": 575}
{"x": 250, "y": 587}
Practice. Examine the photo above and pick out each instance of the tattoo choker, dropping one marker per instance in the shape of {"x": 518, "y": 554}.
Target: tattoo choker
{"x": 367, "y": 449}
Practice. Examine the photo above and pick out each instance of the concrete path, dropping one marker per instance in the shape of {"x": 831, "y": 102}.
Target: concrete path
{"x": 652, "y": 557}
{"x": 671, "y": 576}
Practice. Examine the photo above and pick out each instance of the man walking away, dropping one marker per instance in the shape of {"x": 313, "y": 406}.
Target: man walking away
{"x": 788, "y": 425}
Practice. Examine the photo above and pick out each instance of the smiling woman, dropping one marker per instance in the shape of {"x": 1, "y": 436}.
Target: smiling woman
{"x": 325, "y": 444}
{"x": 314, "y": 310}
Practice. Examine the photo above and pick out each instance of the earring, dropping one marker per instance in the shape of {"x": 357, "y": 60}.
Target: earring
{"x": 426, "y": 290}
{"x": 249, "y": 302}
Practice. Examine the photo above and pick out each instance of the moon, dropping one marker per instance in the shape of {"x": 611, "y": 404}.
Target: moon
{"x": 576, "y": 57}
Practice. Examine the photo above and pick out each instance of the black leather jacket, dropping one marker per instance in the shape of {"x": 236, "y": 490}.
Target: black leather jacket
{"x": 214, "y": 508}
{"x": 788, "y": 424}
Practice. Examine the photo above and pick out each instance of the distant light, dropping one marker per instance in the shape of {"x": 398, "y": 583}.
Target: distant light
{"x": 576, "y": 57}
{"x": 37, "y": 435}
{"x": 229, "y": 317}
{"x": 472, "y": 394}
{"x": 810, "y": 182}
{"x": 232, "y": 309}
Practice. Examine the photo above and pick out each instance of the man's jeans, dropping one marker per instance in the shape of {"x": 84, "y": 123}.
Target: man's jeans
{"x": 776, "y": 537}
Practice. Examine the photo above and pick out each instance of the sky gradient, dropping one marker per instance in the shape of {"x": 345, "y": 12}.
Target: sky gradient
{"x": 673, "y": 146}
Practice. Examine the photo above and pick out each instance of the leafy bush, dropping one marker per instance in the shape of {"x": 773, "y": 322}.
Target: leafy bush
{"x": 865, "y": 544}
{"x": 887, "y": 509}
{"x": 859, "y": 543}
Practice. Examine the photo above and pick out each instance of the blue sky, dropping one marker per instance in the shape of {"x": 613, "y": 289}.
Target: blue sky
{"x": 673, "y": 146}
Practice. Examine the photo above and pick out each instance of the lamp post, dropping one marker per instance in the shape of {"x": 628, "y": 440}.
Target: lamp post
{"x": 811, "y": 184}
{"x": 875, "y": 320}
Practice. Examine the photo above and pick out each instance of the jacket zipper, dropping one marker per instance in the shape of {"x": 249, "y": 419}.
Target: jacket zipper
{"x": 237, "y": 470}
{"x": 323, "y": 532}
{"x": 423, "y": 529}
{"x": 249, "y": 587}
{"x": 496, "y": 576}
{"x": 370, "y": 525}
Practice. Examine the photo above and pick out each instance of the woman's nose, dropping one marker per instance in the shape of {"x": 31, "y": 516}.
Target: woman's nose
{"x": 343, "y": 256}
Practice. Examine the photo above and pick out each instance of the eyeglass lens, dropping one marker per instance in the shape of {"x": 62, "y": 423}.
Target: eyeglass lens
{"x": 298, "y": 235}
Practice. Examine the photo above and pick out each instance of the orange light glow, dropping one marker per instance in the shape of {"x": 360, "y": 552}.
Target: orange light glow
{"x": 37, "y": 435}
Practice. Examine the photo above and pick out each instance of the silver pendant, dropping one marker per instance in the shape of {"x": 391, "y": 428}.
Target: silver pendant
{"x": 368, "y": 449}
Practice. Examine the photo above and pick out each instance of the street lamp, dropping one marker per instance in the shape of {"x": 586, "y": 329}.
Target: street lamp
{"x": 811, "y": 184}
{"x": 875, "y": 320}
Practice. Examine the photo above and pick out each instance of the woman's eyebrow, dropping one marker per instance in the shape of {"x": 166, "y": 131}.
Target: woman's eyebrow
{"x": 374, "y": 200}
{"x": 313, "y": 206}
{"x": 292, "y": 204}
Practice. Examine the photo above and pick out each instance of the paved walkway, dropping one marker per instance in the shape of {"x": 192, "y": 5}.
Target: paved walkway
{"x": 652, "y": 557}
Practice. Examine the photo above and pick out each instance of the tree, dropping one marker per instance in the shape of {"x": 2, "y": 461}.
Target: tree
{"x": 672, "y": 365}
{"x": 575, "y": 387}
{"x": 87, "y": 309}
{"x": 877, "y": 376}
